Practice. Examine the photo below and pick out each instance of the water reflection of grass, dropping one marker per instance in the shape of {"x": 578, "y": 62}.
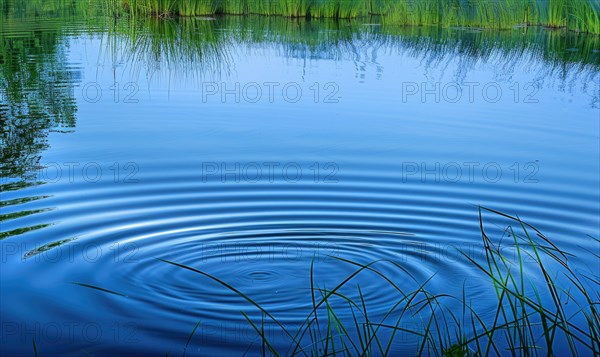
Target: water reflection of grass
{"x": 36, "y": 84}
{"x": 523, "y": 323}
{"x": 192, "y": 43}
{"x": 578, "y": 15}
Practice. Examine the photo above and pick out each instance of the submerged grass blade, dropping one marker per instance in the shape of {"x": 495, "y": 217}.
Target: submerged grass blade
{"x": 261, "y": 333}
{"x": 187, "y": 343}
{"x": 35, "y": 351}
{"x": 99, "y": 288}
{"x": 228, "y": 286}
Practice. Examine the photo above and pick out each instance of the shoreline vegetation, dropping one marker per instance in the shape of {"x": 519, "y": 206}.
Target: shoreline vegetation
{"x": 545, "y": 304}
{"x": 573, "y": 15}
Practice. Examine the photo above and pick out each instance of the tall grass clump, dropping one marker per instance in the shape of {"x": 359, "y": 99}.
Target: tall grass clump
{"x": 158, "y": 8}
{"x": 584, "y": 16}
{"x": 296, "y": 8}
{"x": 339, "y": 8}
{"x": 197, "y": 7}
{"x": 545, "y": 304}
{"x": 577, "y": 15}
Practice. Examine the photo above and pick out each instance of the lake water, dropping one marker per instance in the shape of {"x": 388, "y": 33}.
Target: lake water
{"x": 250, "y": 148}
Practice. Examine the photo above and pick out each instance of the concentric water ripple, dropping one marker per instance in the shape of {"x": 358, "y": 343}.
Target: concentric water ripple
{"x": 259, "y": 239}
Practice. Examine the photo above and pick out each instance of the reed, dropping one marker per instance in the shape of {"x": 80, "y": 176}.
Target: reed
{"x": 576, "y": 15}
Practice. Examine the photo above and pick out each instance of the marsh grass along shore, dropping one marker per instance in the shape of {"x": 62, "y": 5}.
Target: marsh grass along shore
{"x": 576, "y": 15}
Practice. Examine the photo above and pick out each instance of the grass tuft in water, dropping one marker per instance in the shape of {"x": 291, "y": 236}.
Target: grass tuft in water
{"x": 544, "y": 306}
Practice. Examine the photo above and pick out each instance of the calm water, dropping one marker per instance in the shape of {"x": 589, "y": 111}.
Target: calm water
{"x": 249, "y": 147}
